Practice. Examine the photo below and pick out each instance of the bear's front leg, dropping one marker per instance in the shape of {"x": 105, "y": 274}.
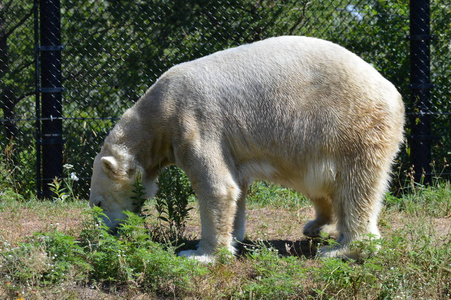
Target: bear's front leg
{"x": 217, "y": 214}
{"x": 239, "y": 227}
{"x": 324, "y": 222}
{"x": 218, "y": 196}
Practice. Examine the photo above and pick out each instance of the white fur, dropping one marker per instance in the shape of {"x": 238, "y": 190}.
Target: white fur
{"x": 297, "y": 111}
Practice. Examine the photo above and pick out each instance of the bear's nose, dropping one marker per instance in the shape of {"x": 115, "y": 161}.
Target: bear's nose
{"x": 96, "y": 200}
{"x": 95, "y": 204}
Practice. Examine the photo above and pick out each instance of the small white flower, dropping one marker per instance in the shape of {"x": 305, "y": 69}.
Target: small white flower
{"x": 73, "y": 176}
{"x": 68, "y": 166}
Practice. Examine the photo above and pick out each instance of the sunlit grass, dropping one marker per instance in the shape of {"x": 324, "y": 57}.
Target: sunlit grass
{"x": 262, "y": 194}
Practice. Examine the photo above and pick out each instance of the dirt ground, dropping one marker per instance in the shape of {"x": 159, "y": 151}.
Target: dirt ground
{"x": 281, "y": 228}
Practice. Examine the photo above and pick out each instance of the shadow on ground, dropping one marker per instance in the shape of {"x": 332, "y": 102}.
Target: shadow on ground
{"x": 306, "y": 248}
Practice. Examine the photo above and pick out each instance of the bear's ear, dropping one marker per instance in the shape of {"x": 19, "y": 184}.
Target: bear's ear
{"x": 109, "y": 165}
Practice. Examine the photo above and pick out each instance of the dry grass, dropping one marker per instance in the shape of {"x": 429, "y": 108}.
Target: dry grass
{"x": 21, "y": 220}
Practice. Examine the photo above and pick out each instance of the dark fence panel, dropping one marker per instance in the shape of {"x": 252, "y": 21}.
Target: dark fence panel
{"x": 50, "y": 127}
{"x": 115, "y": 50}
{"x": 420, "y": 87}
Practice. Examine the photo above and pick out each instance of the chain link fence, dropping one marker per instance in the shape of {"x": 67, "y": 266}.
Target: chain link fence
{"x": 17, "y": 96}
{"x": 114, "y": 50}
{"x": 441, "y": 91}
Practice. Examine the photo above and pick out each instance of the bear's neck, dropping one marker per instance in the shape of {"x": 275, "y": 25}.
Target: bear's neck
{"x": 144, "y": 142}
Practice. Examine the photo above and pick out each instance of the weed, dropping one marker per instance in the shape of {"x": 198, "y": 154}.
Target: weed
{"x": 136, "y": 260}
{"x": 8, "y": 188}
{"x": 172, "y": 204}
{"x": 47, "y": 258}
{"x": 411, "y": 255}
{"x": 224, "y": 257}
{"x": 64, "y": 189}
{"x": 367, "y": 246}
{"x": 58, "y": 190}
{"x": 274, "y": 277}
{"x": 138, "y": 191}
{"x": 14, "y": 178}
{"x": 339, "y": 277}
{"x": 70, "y": 179}
{"x": 425, "y": 201}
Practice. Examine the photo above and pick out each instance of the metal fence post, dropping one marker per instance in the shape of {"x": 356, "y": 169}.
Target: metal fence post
{"x": 420, "y": 86}
{"x": 50, "y": 139}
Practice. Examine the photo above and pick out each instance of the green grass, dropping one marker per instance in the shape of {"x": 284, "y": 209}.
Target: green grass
{"x": 83, "y": 261}
{"x": 424, "y": 201}
{"x": 262, "y": 194}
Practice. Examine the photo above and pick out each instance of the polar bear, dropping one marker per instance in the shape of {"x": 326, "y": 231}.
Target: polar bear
{"x": 297, "y": 111}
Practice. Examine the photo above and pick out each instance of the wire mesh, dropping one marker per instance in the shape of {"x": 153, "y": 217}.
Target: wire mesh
{"x": 115, "y": 50}
{"x": 17, "y": 95}
{"x": 441, "y": 80}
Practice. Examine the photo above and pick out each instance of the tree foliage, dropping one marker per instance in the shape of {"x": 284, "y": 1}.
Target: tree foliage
{"x": 116, "y": 49}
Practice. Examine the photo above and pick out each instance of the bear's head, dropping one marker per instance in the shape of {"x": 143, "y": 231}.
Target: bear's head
{"x": 112, "y": 182}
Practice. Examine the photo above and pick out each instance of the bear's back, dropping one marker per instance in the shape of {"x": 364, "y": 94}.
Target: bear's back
{"x": 294, "y": 87}
{"x": 289, "y": 72}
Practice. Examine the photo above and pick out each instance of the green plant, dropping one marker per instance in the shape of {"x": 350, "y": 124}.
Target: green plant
{"x": 275, "y": 277}
{"x": 423, "y": 200}
{"x": 70, "y": 179}
{"x": 64, "y": 189}
{"x": 367, "y": 246}
{"x": 138, "y": 191}
{"x": 58, "y": 190}
{"x": 172, "y": 202}
{"x": 9, "y": 172}
{"x": 134, "y": 258}
{"x": 347, "y": 278}
{"x": 7, "y": 190}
